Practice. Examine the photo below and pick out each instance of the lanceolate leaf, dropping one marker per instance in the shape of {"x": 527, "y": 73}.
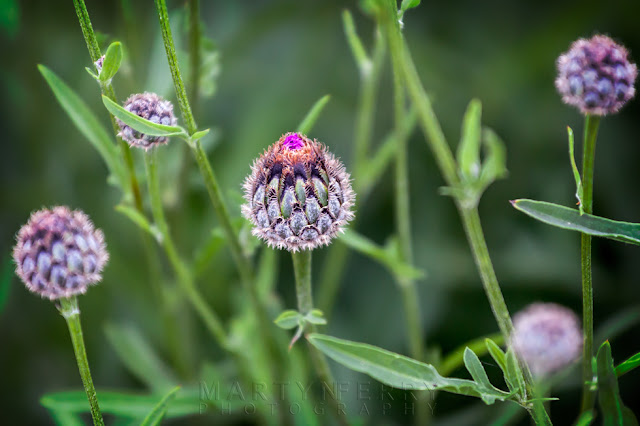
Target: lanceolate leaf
{"x": 387, "y": 256}
{"x": 87, "y": 123}
{"x": 614, "y": 412}
{"x": 140, "y": 124}
{"x": 160, "y": 410}
{"x": 112, "y": 60}
{"x": 398, "y": 371}
{"x": 138, "y": 356}
{"x": 628, "y": 365}
{"x": 566, "y": 218}
{"x": 469, "y": 147}
{"x": 121, "y": 403}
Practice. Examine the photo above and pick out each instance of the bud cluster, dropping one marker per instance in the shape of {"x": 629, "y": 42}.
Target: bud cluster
{"x": 298, "y": 195}
{"x": 59, "y": 253}
{"x": 596, "y": 76}
{"x": 547, "y": 336}
{"x": 150, "y": 107}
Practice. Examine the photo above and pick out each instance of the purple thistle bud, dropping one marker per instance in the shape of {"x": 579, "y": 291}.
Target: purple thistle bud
{"x": 150, "y": 107}
{"x": 547, "y": 336}
{"x": 298, "y": 194}
{"x": 596, "y": 76}
{"x": 99, "y": 64}
{"x": 59, "y": 253}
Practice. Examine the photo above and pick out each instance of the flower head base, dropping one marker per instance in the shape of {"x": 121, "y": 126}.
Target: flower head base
{"x": 150, "y": 107}
{"x": 298, "y": 194}
{"x": 596, "y": 76}
{"x": 59, "y": 253}
{"x": 547, "y": 336}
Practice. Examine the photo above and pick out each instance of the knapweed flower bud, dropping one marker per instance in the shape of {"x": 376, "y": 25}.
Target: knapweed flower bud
{"x": 596, "y": 76}
{"x": 59, "y": 253}
{"x": 98, "y": 64}
{"x": 150, "y": 107}
{"x": 298, "y": 194}
{"x": 547, "y": 336}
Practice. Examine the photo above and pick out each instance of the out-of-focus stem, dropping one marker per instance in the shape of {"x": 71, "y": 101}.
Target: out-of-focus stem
{"x": 588, "y": 158}
{"x": 183, "y": 274}
{"x": 447, "y": 164}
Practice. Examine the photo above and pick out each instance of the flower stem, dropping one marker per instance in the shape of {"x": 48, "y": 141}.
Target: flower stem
{"x": 444, "y": 157}
{"x": 71, "y": 313}
{"x": 107, "y": 90}
{"x": 243, "y": 264}
{"x": 183, "y": 274}
{"x": 304, "y": 294}
{"x": 588, "y": 158}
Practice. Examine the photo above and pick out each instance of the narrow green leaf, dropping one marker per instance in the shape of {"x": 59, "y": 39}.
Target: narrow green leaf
{"x": 515, "y": 379}
{"x": 87, "y": 123}
{"x": 139, "y": 357}
{"x": 288, "y": 319}
{"x": 498, "y": 356}
{"x": 387, "y": 256}
{"x": 199, "y": 134}
{"x": 455, "y": 358}
{"x": 315, "y": 317}
{"x": 585, "y": 418}
{"x": 140, "y": 220}
{"x": 312, "y": 116}
{"x": 112, "y": 60}
{"x": 92, "y": 74}
{"x": 357, "y": 49}
{"x": 469, "y": 147}
{"x": 608, "y": 392}
{"x": 65, "y": 418}
{"x": 160, "y": 410}
{"x": 566, "y": 218}
{"x": 409, "y": 4}
{"x": 475, "y": 368}
{"x": 628, "y": 365}
{"x": 574, "y": 168}
{"x": 207, "y": 252}
{"x": 140, "y": 124}
{"x": 125, "y": 404}
{"x": 267, "y": 274}
{"x": 495, "y": 163}
{"x": 396, "y": 370}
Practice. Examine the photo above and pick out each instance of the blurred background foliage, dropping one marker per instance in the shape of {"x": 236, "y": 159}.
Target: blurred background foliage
{"x": 275, "y": 59}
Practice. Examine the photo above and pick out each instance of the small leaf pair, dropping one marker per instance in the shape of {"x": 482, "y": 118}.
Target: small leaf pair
{"x": 476, "y": 175}
{"x": 291, "y": 318}
{"x": 108, "y": 65}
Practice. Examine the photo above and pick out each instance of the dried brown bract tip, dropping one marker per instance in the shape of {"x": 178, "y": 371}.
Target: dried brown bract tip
{"x": 298, "y": 194}
{"x": 59, "y": 253}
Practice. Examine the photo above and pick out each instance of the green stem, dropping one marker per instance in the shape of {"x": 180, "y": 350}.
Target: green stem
{"x": 243, "y": 264}
{"x": 71, "y": 313}
{"x": 183, "y": 274}
{"x": 194, "y": 49}
{"x": 336, "y": 259}
{"x": 107, "y": 90}
{"x": 403, "y": 215}
{"x": 448, "y": 167}
{"x": 588, "y": 159}
{"x": 169, "y": 47}
{"x": 304, "y": 294}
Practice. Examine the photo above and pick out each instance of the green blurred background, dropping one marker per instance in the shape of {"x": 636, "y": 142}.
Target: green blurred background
{"x": 277, "y": 58}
